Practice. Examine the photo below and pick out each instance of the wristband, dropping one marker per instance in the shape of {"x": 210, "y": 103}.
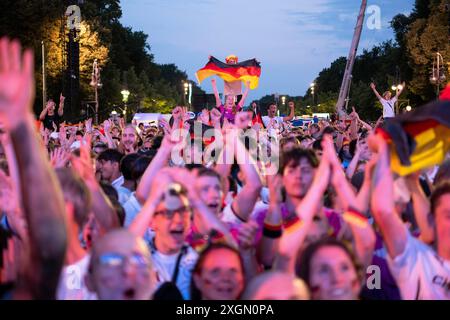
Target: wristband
{"x": 355, "y": 217}
{"x": 272, "y": 231}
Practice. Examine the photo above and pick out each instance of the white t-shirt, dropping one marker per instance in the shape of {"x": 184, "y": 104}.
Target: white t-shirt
{"x": 388, "y": 107}
{"x": 71, "y": 283}
{"x": 420, "y": 273}
{"x": 124, "y": 194}
{"x": 272, "y": 123}
{"x": 132, "y": 208}
{"x": 165, "y": 266}
{"x": 118, "y": 182}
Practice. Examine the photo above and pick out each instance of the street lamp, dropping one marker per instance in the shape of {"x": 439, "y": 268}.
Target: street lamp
{"x": 96, "y": 83}
{"x": 408, "y": 108}
{"x": 312, "y": 86}
{"x": 438, "y": 74}
{"x": 125, "y": 94}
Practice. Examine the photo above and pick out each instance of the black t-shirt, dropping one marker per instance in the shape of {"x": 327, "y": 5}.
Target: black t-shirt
{"x": 48, "y": 121}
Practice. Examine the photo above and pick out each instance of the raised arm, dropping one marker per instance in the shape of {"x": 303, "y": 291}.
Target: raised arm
{"x": 421, "y": 208}
{"x": 373, "y": 87}
{"x": 362, "y": 234}
{"x": 294, "y": 236}
{"x": 159, "y": 162}
{"x": 43, "y": 113}
{"x": 273, "y": 222}
{"x": 101, "y": 206}
{"x": 245, "y": 201}
{"x": 216, "y": 92}
{"x": 291, "y": 114}
{"x": 244, "y": 96}
{"x": 61, "y": 105}
{"x": 47, "y": 246}
{"x": 382, "y": 200}
{"x": 107, "y": 129}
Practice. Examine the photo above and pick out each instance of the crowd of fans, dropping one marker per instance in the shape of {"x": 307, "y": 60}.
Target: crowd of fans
{"x": 108, "y": 211}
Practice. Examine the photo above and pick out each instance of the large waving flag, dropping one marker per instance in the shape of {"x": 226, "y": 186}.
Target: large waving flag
{"x": 421, "y": 138}
{"x": 249, "y": 70}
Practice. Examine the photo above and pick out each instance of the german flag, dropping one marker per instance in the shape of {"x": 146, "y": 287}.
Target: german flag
{"x": 249, "y": 70}
{"x": 419, "y": 139}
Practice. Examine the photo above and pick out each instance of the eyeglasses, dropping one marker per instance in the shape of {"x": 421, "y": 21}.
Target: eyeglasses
{"x": 117, "y": 261}
{"x": 169, "y": 214}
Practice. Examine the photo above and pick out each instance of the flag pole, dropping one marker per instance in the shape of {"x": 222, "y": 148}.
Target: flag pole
{"x": 44, "y": 89}
{"x": 345, "y": 86}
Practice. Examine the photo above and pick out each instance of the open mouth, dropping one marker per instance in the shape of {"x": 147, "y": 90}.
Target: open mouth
{"x": 177, "y": 234}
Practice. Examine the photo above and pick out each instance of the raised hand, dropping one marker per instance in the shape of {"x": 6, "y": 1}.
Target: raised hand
{"x": 61, "y": 100}
{"x": 275, "y": 184}
{"x": 83, "y": 164}
{"x": 107, "y": 126}
{"x": 177, "y": 113}
{"x": 372, "y": 86}
{"x": 246, "y": 235}
{"x": 89, "y": 125}
{"x": 59, "y": 158}
{"x": 16, "y": 83}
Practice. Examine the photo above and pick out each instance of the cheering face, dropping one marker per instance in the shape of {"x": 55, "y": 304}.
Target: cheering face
{"x": 297, "y": 178}
{"x": 171, "y": 223}
{"x": 221, "y": 276}
{"x": 442, "y": 222}
{"x": 229, "y": 101}
{"x": 129, "y": 138}
{"x": 272, "y": 110}
{"x": 51, "y": 106}
{"x": 333, "y": 275}
{"x": 210, "y": 192}
{"x": 121, "y": 268}
{"x": 387, "y": 95}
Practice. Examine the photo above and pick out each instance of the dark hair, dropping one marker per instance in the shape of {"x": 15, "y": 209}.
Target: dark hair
{"x": 295, "y": 156}
{"x": 195, "y": 292}
{"x": 317, "y": 145}
{"x": 328, "y": 130}
{"x": 110, "y": 155}
{"x": 304, "y": 137}
{"x": 352, "y": 147}
{"x": 157, "y": 142}
{"x": 126, "y": 165}
{"x": 139, "y": 166}
{"x": 442, "y": 189}
{"x": 303, "y": 265}
{"x": 208, "y": 172}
